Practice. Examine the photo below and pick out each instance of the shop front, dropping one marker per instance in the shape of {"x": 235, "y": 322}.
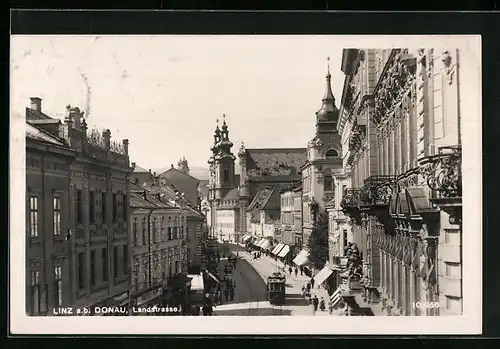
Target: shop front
{"x": 142, "y": 302}
{"x": 113, "y": 306}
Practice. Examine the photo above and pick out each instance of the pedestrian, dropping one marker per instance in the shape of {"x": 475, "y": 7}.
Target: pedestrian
{"x": 220, "y": 297}
{"x": 308, "y": 286}
{"x": 312, "y": 282}
{"x": 205, "y": 310}
{"x": 303, "y": 291}
{"x": 330, "y": 306}
{"x": 322, "y": 304}
{"x": 296, "y": 271}
{"x": 315, "y": 302}
{"x": 301, "y": 270}
{"x": 290, "y": 270}
{"x": 231, "y": 294}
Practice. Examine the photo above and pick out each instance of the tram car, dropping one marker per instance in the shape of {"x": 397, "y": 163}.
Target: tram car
{"x": 276, "y": 288}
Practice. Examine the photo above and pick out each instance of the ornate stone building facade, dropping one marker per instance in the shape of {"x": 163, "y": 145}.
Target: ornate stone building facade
{"x": 96, "y": 214}
{"x": 400, "y": 111}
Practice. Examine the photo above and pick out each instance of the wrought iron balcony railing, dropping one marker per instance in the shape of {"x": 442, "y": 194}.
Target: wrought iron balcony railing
{"x": 350, "y": 199}
{"x": 377, "y": 190}
{"x": 443, "y": 171}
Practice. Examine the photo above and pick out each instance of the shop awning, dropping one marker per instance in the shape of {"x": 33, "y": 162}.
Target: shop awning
{"x": 266, "y": 244}
{"x": 261, "y": 240}
{"x": 277, "y": 249}
{"x": 320, "y": 277}
{"x": 336, "y": 297}
{"x": 301, "y": 258}
{"x": 284, "y": 251}
{"x": 213, "y": 277}
{"x": 246, "y": 238}
{"x": 196, "y": 282}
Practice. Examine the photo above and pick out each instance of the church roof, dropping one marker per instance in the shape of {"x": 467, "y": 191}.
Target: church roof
{"x": 271, "y": 158}
{"x": 263, "y": 199}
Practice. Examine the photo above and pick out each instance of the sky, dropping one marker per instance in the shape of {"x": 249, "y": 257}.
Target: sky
{"x": 165, "y": 93}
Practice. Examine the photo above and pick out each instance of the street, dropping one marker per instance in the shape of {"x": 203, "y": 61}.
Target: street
{"x": 250, "y": 292}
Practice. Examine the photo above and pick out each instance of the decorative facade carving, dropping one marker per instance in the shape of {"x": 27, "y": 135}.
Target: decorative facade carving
{"x": 377, "y": 190}
{"x": 443, "y": 172}
{"x": 448, "y": 66}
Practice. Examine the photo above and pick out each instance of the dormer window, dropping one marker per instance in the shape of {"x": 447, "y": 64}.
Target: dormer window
{"x": 331, "y": 153}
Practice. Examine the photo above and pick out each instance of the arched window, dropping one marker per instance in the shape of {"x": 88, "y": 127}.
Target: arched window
{"x": 331, "y": 153}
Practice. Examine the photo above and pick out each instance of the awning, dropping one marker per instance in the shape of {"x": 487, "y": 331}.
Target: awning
{"x": 322, "y": 275}
{"x": 246, "y": 238}
{"x": 277, "y": 249}
{"x": 284, "y": 251}
{"x": 213, "y": 277}
{"x": 261, "y": 240}
{"x": 336, "y": 297}
{"x": 301, "y": 258}
{"x": 265, "y": 245}
{"x": 196, "y": 282}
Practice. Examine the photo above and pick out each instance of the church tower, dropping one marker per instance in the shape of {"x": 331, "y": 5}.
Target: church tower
{"x": 323, "y": 157}
{"x": 224, "y": 163}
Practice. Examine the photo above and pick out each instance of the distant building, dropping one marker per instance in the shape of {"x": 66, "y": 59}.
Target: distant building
{"x": 183, "y": 182}
{"x": 230, "y": 195}
{"x": 95, "y": 269}
{"x": 263, "y": 214}
{"x": 290, "y": 229}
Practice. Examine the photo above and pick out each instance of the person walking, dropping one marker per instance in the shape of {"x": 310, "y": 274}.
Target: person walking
{"x": 296, "y": 271}
{"x": 290, "y": 270}
{"x": 303, "y": 292}
{"x": 301, "y": 270}
{"x": 315, "y": 302}
{"x": 322, "y": 306}
{"x": 312, "y": 282}
{"x": 308, "y": 286}
{"x": 330, "y": 306}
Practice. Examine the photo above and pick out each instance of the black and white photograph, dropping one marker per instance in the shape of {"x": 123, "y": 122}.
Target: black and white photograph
{"x": 245, "y": 184}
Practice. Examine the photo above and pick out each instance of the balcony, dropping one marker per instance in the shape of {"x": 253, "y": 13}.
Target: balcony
{"x": 350, "y": 199}
{"x": 443, "y": 174}
{"x": 377, "y": 191}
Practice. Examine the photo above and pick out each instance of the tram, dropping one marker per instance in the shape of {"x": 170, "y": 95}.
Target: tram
{"x": 276, "y": 288}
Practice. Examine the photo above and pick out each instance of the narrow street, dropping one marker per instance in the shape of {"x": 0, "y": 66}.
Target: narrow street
{"x": 250, "y": 292}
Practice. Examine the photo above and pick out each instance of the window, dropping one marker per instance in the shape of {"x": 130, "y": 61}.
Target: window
{"x": 104, "y": 252}
{"x": 115, "y": 208}
{"x": 453, "y": 270}
{"x": 35, "y": 283}
{"x": 81, "y": 270}
{"x": 125, "y": 259}
{"x": 92, "y": 207}
{"x": 134, "y": 231}
{"x": 181, "y": 233}
{"x": 454, "y": 304}
{"x": 115, "y": 262}
{"x": 153, "y": 231}
{"x": 331, "y": 153}
{"x": 146, "y": 273}
{"x": 124, "y": 207}
{"x": 104, "y": 207}
{"x": 162, "y": 229}
{"x": 92, "y": 267}
{"x": 329, "y": 184}
{"x": 144, "y": 230}
{"x": 226, "y": 175}
{"x": 56, "y": 203}
{"x": 33, "y": 216}
{"x": 169, "y": 232}
{"x": 79, "y": 213}
{"x": 58, "y": 286}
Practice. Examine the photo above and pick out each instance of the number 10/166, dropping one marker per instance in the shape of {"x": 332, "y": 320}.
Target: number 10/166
{"x": 425, "y": 305}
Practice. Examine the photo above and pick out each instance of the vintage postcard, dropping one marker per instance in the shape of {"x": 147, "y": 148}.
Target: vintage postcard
{"x": 245, "y": 185}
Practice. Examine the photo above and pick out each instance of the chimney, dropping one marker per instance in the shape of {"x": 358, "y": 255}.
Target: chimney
{"x": 36, "y": 104}
{"x": 149, "y": 170}
{"x": 171, "y": 165}
{"x": 106, "y": 135}
{"x": 133, "y": 164}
